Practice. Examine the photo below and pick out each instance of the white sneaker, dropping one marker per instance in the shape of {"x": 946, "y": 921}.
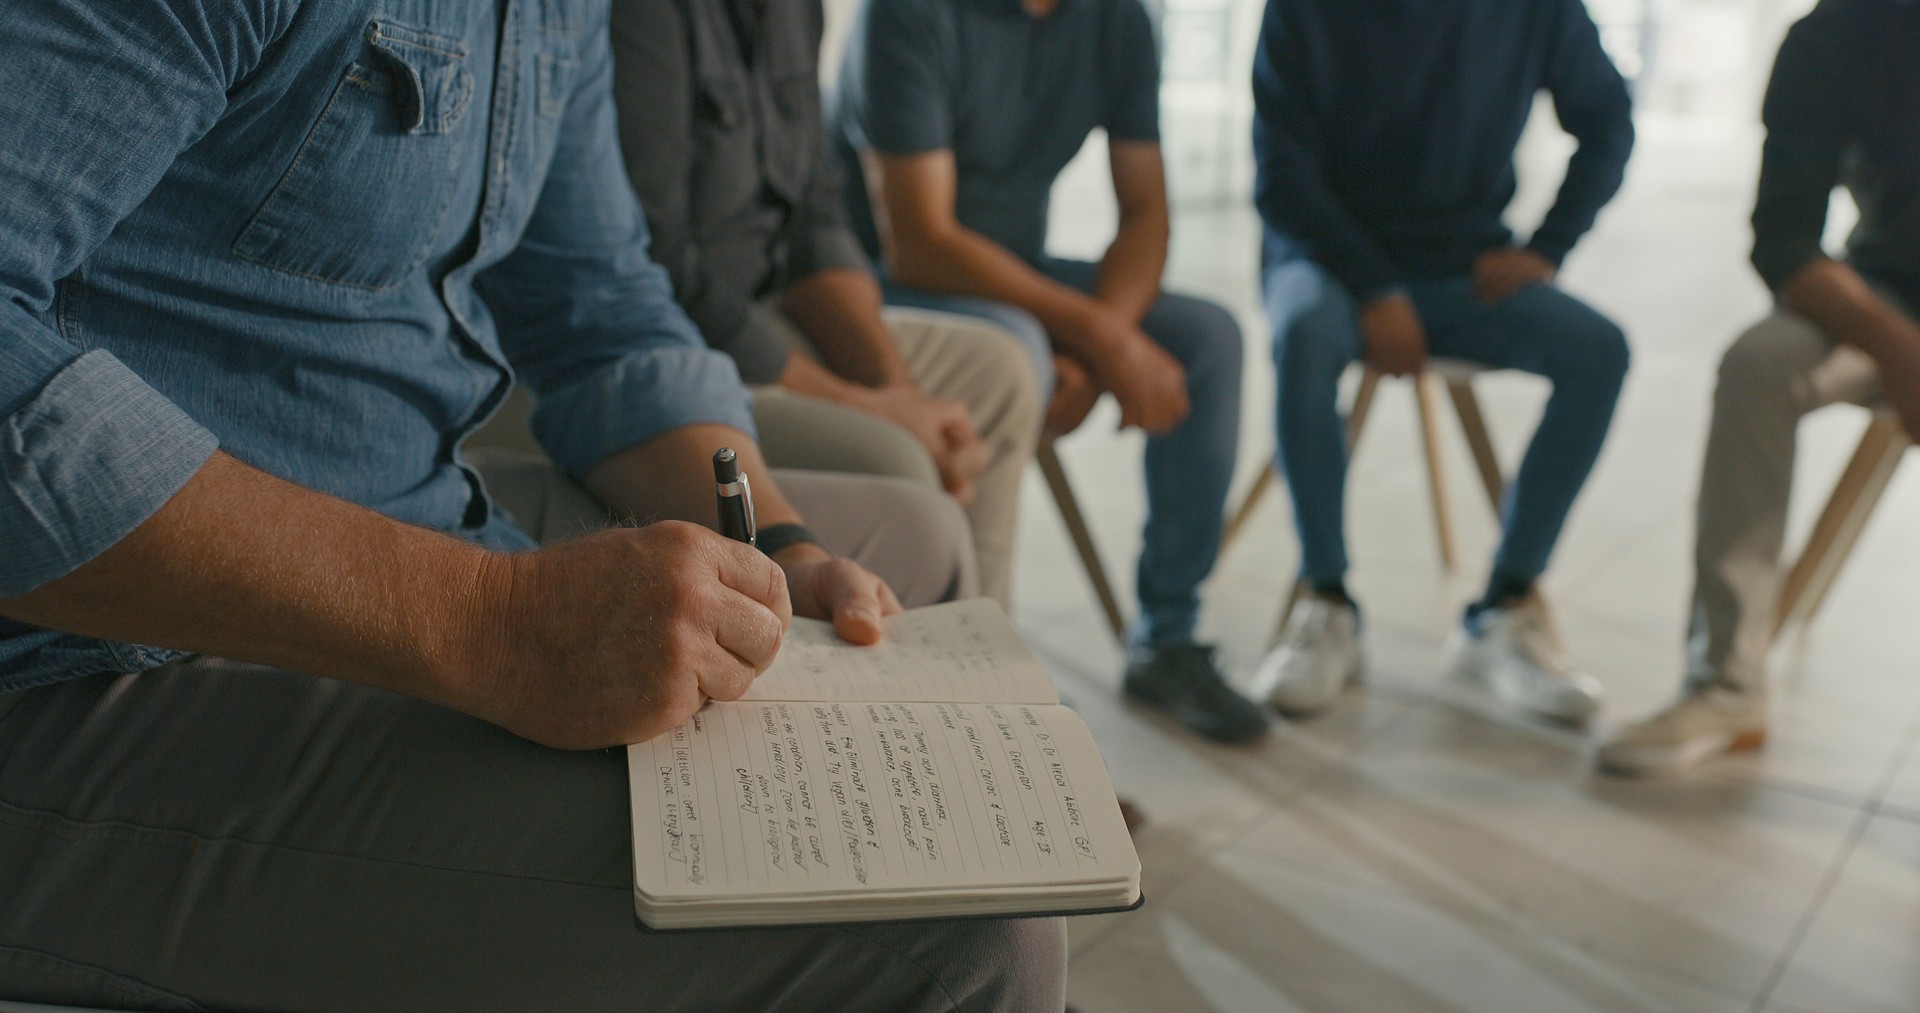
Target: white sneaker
{"x": 1519, "y": 657}
{"x": 1700, "y": 726}
{"x": 1318, "y": 657}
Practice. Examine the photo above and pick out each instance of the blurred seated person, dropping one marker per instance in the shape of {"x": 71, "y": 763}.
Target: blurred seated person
{"x": 962, "y": 113}
{"x": 1385, "y": 137}
{"x": 1842, "y": 109}
{"x": 719, "y": 112}
{"x": 293, "y": 714}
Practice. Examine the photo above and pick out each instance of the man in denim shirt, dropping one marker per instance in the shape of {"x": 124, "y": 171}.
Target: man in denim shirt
{"x": 262, "y": 267}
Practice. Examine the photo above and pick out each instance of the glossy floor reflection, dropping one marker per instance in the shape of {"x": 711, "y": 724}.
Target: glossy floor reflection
{"x": 1408, "y": 853}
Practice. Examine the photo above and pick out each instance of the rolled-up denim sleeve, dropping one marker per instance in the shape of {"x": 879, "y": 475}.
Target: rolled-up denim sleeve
{"x": 587, "y": 319}
{"x": 96, "y": 101}
{"x": 84, "y": 461}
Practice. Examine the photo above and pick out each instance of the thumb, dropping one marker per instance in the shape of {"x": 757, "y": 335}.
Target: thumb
{"x": 856, "y": 607}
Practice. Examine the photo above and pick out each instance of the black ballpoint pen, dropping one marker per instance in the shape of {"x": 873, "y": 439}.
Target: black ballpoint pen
{"x": 735, "y": 497}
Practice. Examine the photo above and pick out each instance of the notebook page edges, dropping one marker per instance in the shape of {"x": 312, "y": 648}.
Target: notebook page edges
{"x": 964, "y": 651}
{"x": 780, "y": 799}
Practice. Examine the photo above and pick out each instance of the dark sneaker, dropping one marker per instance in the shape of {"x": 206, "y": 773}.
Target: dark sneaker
{"x": 1185, "y": 683}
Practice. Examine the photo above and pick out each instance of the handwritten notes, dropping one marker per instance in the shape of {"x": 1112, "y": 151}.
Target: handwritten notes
{"x": 830, "y": 797}
{"x": 964, "y": 651}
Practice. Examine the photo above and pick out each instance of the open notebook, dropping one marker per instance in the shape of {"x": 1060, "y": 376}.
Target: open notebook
{"x": 935, "y": 775}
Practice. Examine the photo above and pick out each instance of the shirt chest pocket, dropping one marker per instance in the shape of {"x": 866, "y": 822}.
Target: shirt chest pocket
{"x": 366, "y": 196}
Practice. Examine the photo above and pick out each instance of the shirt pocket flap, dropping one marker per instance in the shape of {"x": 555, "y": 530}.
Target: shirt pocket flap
{"x": 432, "y": 86}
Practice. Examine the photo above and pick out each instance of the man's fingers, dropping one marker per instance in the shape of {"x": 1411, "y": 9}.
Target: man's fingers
{"x": 854, "y": 601}
{"x": 747, "y": 570}
{"x": 889, "y": 605}
{"x": 722, "y": 674}
{"x": 747, "y": 629}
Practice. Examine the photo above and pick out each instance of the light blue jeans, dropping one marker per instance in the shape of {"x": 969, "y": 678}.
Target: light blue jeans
{"x": 1188, "y": 470}
{"x": 1542, "y": 330}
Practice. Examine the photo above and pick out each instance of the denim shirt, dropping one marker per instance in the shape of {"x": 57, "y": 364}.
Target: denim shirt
{"x": 324, "y": 237}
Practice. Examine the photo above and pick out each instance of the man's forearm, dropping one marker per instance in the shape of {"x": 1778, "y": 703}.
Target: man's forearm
{"x": 242, "y": 565}
{"x": 670, "y": 478}
{"x": 839, "y": 311}
{"x": 1129, "y": 278}
{"x": 963, "y": 262}
{"x": 1845, "y": 307}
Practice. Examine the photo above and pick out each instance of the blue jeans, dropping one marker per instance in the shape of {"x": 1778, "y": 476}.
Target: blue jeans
{"x": 1188, "y": 470}
{"x": 1542, "y": 330}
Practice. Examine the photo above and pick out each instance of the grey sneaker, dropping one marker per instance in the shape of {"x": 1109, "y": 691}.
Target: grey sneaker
{"x": 1518, "y": 656}
{"x": 1318, "y": 657}
{"x": 1700, "y": 726}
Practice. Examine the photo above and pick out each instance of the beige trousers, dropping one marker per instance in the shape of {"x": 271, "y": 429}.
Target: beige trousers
{"x": 1775, "y": 374}
{"x": 953, "y": 358}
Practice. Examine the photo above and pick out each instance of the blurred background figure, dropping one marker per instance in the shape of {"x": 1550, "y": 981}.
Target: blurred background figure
{"x": 962, "y": 113}
{"x": 719, "y": 114}
{"x": 1843, "y": 110}
{"x": 1385, "y": 136}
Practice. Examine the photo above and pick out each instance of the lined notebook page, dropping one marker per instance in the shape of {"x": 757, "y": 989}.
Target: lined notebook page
{"x": 789, "y": 798}
{"x": 966, "y": 651}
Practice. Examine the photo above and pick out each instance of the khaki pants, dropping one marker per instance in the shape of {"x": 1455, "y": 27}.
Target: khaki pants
{"x": 953, "y": 358}
{"x": 1779, "y": 371}
{"x": 213, "y": 835}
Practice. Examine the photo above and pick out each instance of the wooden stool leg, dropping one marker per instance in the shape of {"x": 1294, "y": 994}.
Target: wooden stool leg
{"x": 1474, "y": 423}
{"x": 1424, "y": 390}
{"x": 1838, "y": 530}
{"x": 1269, "y": 477}
{"x": 1076, "y": 523}
{"x": 1362, "y": 405}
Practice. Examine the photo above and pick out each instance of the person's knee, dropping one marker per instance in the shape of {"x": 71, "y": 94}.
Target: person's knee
{"x": 1219, "y": 349}
{"x": 1009, "y": 390}
{"x": 1603, "y": 352}
{"x": 1767, "y": 362}
{"x": 932, "y": 557}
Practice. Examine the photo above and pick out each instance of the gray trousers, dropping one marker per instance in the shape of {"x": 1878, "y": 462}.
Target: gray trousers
{"x": 1776, "y": 373}
{"x": 213, "y": 835}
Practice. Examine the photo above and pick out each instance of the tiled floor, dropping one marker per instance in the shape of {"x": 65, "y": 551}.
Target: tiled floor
{"x": 1407, "y": 852}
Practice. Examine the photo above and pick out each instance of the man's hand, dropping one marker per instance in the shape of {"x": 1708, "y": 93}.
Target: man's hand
{"x": 1499, "y": 275}
{"x": 943, "y": 427}
{"x": 1074, "y": 395}
{"x": 1396, "y": 338}
{"x": 1150, "y": 385}
{"x": 840, "y": 591}
{"x": 619, "y": 636}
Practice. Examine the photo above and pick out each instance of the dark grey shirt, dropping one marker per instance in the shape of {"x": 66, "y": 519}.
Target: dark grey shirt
{"x": 1013, "y": 96}
{"x": 1843, "y": 109}
{"x": 719, "y": 110}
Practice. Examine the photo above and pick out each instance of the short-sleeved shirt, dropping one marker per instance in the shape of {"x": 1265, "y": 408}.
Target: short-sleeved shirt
{"x": 1013, "y": 96}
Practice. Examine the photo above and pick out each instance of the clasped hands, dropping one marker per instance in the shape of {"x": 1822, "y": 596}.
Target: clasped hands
{"x": 1394, "y": 334}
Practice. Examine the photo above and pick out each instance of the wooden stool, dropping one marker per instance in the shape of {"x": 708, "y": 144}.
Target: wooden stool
{"x": 1456, "y": 376}
{"x": 1838, "y": 530}
{"x": 1076, "y": 522}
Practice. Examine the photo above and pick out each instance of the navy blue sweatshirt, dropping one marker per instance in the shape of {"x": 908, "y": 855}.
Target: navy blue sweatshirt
{"x": 1385, "y": 129}
{"x": 1843, "y": 109}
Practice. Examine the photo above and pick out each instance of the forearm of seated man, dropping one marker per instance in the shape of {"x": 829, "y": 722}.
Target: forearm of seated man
{"x": 1842, "y": 304}
{"x": 927, "y": 247}
{"x": 607, "y": 639}
{"x": 1129, "y": 279}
